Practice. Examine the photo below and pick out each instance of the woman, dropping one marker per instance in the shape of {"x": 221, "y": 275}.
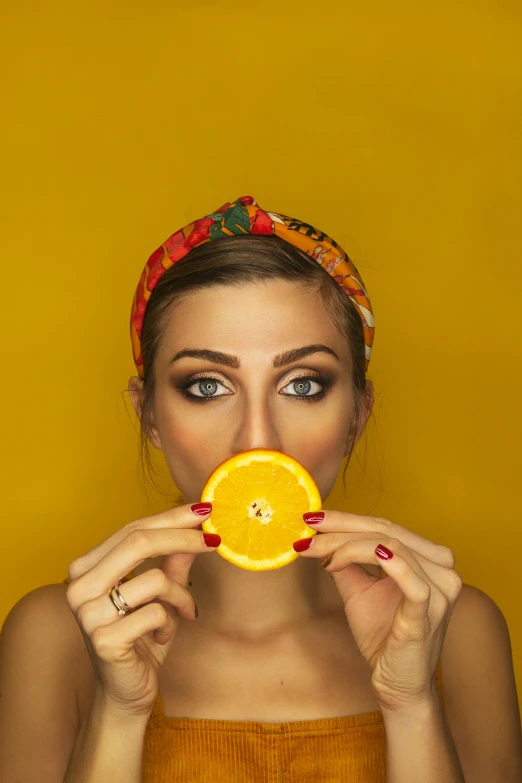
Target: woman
{"x": 253, "y": 330}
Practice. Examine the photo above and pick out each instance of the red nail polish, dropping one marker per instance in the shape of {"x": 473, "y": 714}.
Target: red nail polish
{"x": 383, "y": 552}
{"x": 201, "y": 509}
{"x": 212, "y": 539}
{"x": 313, "y": 517}
{"x": 302, "y": 544}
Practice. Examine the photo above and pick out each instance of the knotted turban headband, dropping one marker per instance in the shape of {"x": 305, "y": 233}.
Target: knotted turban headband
{"x": 244, "y": 216}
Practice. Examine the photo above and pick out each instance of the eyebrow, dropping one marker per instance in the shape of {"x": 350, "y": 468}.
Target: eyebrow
{"x": 287, "y": 357}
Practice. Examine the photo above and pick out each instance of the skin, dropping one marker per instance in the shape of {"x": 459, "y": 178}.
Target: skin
{"x": 254, "y": 322}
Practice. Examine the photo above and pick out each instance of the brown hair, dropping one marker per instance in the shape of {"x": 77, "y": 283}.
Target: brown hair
{"x": 237, "y": 260}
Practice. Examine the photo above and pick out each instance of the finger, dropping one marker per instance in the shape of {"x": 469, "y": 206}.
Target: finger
{"x": 419, "y": 593}
{"x": 446, "y": 580}
{"x": 138, "y": 591}
{"x": 443, "y": 590}
{"x": 179, "y": 517}
{"x": 135, "y": 548}
{"x": 109, "y": 642}
{"x": 344, "y": 521}
{"x": 421, "y": 607}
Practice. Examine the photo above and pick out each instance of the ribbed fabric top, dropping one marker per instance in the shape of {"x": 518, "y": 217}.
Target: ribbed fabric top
{"x": 348, "y": 749}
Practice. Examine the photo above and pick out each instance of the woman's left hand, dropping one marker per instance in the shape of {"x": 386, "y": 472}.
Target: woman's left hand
{"x": 398, "y": 623}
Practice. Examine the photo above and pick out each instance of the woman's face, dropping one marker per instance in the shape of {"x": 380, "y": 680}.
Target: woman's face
{"x": 248, "y": 402}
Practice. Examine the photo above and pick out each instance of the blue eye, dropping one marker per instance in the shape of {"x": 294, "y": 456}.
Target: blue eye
{"x": 302, "y": 386}
{"x": 207, "y": 386}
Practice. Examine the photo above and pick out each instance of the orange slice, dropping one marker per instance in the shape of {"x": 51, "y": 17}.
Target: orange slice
{"x": 258, "y": 500}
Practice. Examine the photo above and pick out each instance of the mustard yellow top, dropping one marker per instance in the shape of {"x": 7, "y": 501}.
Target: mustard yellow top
{"x": 349, "y": 749}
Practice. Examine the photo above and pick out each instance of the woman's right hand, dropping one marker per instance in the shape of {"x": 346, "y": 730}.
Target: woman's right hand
{"x": 127, "y": 652}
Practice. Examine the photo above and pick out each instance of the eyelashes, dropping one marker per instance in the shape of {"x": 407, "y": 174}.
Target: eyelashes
{"x": 325, "y": 381}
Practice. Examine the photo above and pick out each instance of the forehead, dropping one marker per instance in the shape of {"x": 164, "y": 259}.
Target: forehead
{"x": 260, "y": 317}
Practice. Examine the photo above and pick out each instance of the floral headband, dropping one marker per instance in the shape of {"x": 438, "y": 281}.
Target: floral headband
{"x": 244, "y": 216}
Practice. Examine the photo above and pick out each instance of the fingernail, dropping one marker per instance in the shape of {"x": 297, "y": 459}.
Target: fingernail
{"x": 313, "y": 517}
{"x": 201, "y": 509}
{"x": 212, "y": 539}
{"x": 302, "y": 544}
{"x": 383, "y": 552}
{"x": 327, "y": 561}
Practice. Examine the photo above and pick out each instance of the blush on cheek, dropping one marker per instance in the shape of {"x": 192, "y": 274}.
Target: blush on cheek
{"x": 322, "y": 460}
{"x": 191, "y": 459}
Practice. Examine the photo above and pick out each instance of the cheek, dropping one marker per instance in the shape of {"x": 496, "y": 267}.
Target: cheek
{"x": 323, "y": 449}
{"x": 188, "y": 441}
{"x": 324, "y": 430}
{"x": 190, "y": 448}
{"x": 321, "y": 456}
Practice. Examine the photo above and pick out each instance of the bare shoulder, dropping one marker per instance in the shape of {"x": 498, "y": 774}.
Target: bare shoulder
{"x": 41, "y": 667}
{"x": 47, "y": 603}
{"x": 475, "y": 612}
{"x": 477, "y": 629}
{"x": 480, "y": 695}
{"x": 43, "y": 617}
{"x": 82, "y": 674}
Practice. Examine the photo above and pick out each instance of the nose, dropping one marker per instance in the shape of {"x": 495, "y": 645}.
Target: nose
{"x": 255, "y": 427}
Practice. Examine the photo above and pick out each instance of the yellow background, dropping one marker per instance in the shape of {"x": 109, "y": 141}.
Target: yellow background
{"x": 393, "y": 127}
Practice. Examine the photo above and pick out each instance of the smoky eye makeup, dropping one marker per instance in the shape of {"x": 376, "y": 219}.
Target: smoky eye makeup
{"x": 301, "y": 385}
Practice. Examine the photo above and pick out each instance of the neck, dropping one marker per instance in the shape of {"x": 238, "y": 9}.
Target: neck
{"x": 254, "y": 604}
